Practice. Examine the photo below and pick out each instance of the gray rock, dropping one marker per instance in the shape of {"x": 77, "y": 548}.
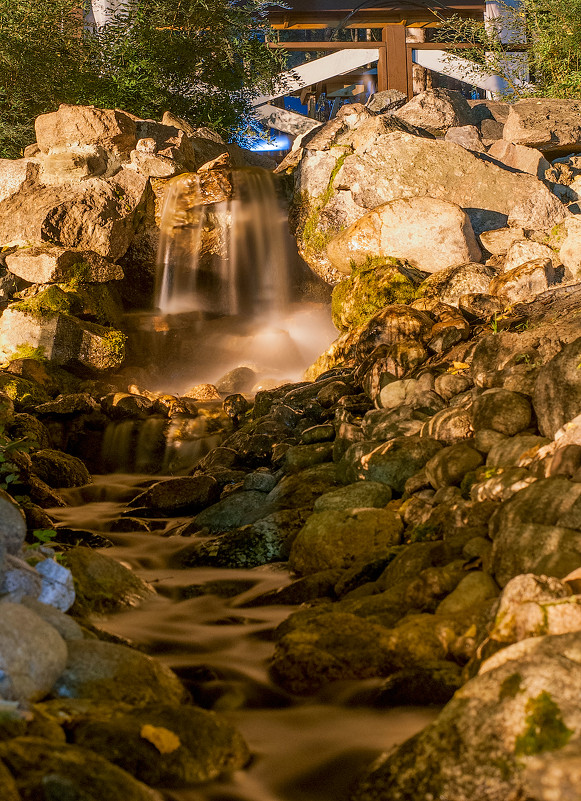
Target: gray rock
{"x": 58, "y": 469}
{"x": 501, "y": 410}
{"x": 338, "y": 539}
{"x": 32, "y": 654}
{"x": 48, "y": 770}
{"x": 19, "y": 579}
{"x": 97, "y": 670}
{"x": 482, "y": 742}
{"x": 557, "y": 392}
{"x": 12, "y": 525}
{"x": 57, "y": 587}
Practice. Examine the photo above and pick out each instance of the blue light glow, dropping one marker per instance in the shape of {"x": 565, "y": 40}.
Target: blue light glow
{"x": 280, "y": 142}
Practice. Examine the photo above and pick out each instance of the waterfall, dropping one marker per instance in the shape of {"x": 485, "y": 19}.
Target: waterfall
{"x": 226, "y": 258}
{"x": 231, "y": 289}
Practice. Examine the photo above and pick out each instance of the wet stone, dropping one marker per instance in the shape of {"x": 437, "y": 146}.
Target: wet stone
{"x": 48, "y": 770}
{"x": 165, "y": 746}
{"x": 95, "y": 670}
{"x": 179, "y": 495}
{"x": 103, "y": 584}
{"x": 59, "y": 469}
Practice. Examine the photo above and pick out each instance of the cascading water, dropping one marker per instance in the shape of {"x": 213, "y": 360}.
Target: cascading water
{"x": 243, "y": 269}
{"x": 225, "y": 299}
{"x": 229, "y": 289}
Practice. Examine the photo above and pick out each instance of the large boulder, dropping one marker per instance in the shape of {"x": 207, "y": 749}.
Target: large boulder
{"x": 548, "y": 124}
{"x": 71, "y": 125}
{"x": 97, "y": 214}
{"x": 335, "y": 188}
{"x": 511, "y": 732}
{"x": 430, "y": 233}
{"x": 437, "y": 110}
{"x": 63, "y": 339}
{"x": 340, "y": 539}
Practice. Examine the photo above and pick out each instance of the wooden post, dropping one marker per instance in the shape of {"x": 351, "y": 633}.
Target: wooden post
{"x": 397, "y": 58}
{"x": 382, "y": 65}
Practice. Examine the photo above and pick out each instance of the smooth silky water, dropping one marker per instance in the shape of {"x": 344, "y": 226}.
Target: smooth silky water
{"x": 201, "y": 625}
{"x": 231, "y": 290}
{"x": 228, "y": 295}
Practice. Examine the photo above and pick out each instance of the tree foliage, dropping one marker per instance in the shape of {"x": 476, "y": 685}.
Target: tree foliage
{"x": 551, "y": 31}
{"x": 202, "y": 59}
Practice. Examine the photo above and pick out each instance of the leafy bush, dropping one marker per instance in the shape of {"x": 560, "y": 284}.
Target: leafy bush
{"x": 203, "y": 60}
{"x": 551, "y": 30}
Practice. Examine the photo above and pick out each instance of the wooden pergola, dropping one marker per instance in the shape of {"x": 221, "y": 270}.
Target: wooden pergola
{"x": 393, "y": 17}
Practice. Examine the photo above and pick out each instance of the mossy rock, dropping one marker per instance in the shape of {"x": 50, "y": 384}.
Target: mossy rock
{"x": 102, "y": 584}
{"x": 378, "y": 283}
{"x": 165, "y": 745}
{"x": 25, "y": 394}
{"x": 49, "y": 301}
{"x": 48, "y": 770}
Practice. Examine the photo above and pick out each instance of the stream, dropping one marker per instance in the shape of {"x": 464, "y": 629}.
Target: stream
{"x": 202, "y": 623}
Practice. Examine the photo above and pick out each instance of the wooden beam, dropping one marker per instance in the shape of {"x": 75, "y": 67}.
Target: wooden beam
{"x": 306, "y": 46}
{"x": 396, "y": 53}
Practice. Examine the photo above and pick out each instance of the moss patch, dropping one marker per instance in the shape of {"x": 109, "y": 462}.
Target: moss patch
{"x": 510, "y": 687}
{"x": 545, "y": 729}
{"x": 28, "y": 351}
{"x": 374, "y": 285}
{"x": 315, "y": 240}
{"x": 24, "y": 393}
{"x": 52, "y": 300}
{"x": 114, "y": 343}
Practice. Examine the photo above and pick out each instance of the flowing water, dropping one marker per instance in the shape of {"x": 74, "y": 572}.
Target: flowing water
{"x": 231, "y": 290}
{"x": 204, "y": 625}
{"x": 226, "y": 298}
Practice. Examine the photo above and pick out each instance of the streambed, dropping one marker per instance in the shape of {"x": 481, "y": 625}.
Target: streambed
{"x": 203, "y": 623}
